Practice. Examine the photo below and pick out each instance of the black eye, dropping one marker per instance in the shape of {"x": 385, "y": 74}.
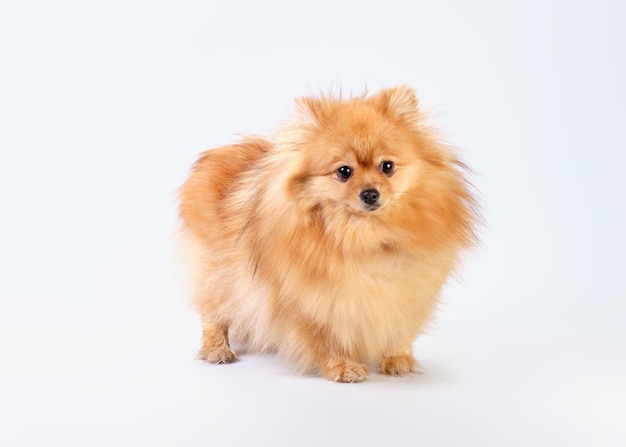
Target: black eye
{"x": 386, "y": 167}
{"x": 344, "y": 173}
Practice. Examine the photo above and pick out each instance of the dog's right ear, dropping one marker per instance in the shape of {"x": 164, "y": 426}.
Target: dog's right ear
{"x": 310, "y": 111}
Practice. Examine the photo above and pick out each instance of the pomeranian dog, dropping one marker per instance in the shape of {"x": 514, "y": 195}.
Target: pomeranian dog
{"x": 330, "y": 242}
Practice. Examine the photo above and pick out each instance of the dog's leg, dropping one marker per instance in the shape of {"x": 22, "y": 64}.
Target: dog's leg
{"x": 334, "y": 362}
{"x": 313, "y": 346}
{"x": 215, "y": 347}
{"x": 344, "y": 370}
{"x": 398, "y": 363}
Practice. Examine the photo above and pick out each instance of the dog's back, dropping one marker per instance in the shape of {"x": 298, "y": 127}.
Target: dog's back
{"x": 211, "y": 178}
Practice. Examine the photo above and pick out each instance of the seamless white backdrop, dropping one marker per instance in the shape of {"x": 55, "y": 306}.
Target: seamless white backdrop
{"x": 103, "y": 108}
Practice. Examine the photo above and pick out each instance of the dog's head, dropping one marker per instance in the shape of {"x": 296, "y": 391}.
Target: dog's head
{"x": 359, "y": 153}
{"x": 369, "y": 164}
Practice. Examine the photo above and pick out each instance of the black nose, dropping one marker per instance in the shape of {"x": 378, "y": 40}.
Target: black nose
{"x": 370, "y": 196}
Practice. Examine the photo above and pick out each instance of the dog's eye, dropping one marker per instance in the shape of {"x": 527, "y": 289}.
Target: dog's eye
{"x": 386, "y": 167}
{"x": 344, "y": 173}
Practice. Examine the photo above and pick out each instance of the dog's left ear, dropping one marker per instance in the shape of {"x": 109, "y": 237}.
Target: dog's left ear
{"x": 398, "y": 102}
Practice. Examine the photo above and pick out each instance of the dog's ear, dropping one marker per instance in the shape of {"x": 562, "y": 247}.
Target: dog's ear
{"x": 398, "y": 102}
{"x": 310, "y": 110}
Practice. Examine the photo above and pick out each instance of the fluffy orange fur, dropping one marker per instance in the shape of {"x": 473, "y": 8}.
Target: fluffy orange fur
{"x": 290, "y": 257}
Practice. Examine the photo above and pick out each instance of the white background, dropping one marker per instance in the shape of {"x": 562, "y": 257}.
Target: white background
{"x": 103, "y": 108}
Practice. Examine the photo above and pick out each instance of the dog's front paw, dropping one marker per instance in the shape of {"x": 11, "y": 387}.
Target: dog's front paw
{"x": 398, "y": 365}
{"x": 347, "y": 372}
{"x": 217, "y": 354}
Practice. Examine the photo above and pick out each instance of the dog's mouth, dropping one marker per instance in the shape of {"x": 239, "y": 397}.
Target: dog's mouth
{"x": 364, "y": 209}
{"x": 372, "y": 207}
